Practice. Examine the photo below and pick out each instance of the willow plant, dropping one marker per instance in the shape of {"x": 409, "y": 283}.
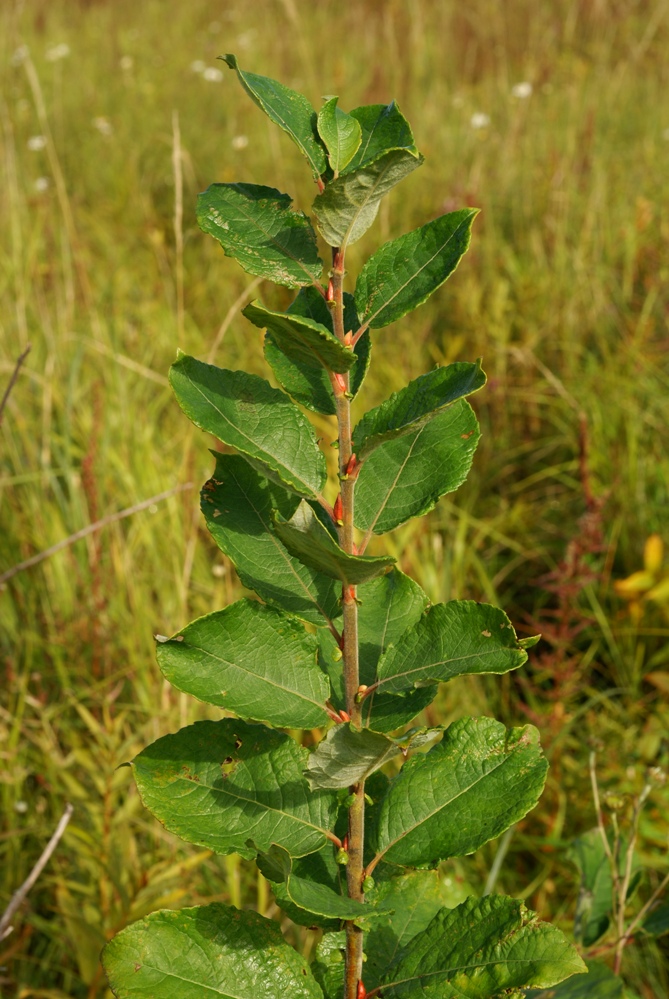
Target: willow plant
{"x": 341, "y": 642}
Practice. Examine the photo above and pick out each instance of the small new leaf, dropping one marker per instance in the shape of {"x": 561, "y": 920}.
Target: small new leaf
{"x": 341, "y": 134}
{"x": 309, "y": 541}
{"x": 287, "y": 108}
{"x": 348, "y": 755}
{"x": 256, "y": 226}
{"x": 302, "y": 340}
{"x": 209, "y": 950}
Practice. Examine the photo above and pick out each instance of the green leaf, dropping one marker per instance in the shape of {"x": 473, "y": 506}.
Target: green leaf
{"x": 458, "y": 638}
{"x": 467, "y": 790}
{"x": 245, "y": 412}
{"x": 415, "y": 899}
{"x": 219, "y": 784}
{"x": 657, "y": 921}
{"x": 415, "y": 405}
{"x": 302, "y": 340}
{"x": 483, "y": 949}
{"x": 276, "y": 865}
{"x": 348, "y": 205}
{"x": 388, "y": 606}
{"x": 405, "y": 271}
{"x": 348, "y": 755}
{"x": 288, "y": 109}
{"x": 237, "y": 503}
{"x": 252, "y": 660}
{"x": 212, "y": 950}
{"x": 383, "y": 127}
{"x": 405, "y": 477}
{"x": 307, "y": 539}
{"x": 256, "y": 226}
{"x": 319, "y": 868}
{"x": 329, "y": 964}
{"x": 593, "y": 909}
{"x": 600, "y": 982}
{"x": 340, "y": 132}
{"x": 308, "y": 385}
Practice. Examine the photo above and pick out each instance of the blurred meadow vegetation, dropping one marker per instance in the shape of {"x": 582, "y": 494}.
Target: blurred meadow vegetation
{"x": 113, "y": 116}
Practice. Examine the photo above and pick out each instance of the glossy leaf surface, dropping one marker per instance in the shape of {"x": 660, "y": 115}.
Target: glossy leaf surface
{"x": 349, "y": 204}
{"x": 483, "y": 949}
{"x": 439, "y": 805}
{"x": 310, "y": 385}
{"x": 213, "y": 950}
{"x": 405, "y": 477}
{"x": 252, "y": 660}
{"x": 290, "y": 110}
{"x": 307, "y": 539}
{"x": 458, "y": 638}
{"x": 301, "y": 339}
{"x": 256, "y": 226}
{"x": 405, "y": 271}
{"x": 238, "y": 503}
{"x": 416, "y": 404}
{"x": 245, "y": 412}
{"x": 599, "y": 983}
{"x": 219, "y": 784}
{"x": 383, "y": 127}
{"x": 340, "y": 132}
{"x": 329, "y": 964}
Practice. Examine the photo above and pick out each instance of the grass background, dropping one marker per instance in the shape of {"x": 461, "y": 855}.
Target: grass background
{"x": 564, "y": 293}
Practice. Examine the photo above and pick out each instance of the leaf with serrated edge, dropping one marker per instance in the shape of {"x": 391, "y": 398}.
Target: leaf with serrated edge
{"x": 405, "y": 477}
{"x": 218, "y": 784}
{"x": 211, "y": 950}
{"x": 416, "y": 404}
{"x": 245, "y": 412}
{"x": 438, "y": 806}
{"x": 599, "y": 983}
{"x": 383, "y": 127}
{"x": 301, "y": 339}
{"x": 310, "y": 386}
{"x": 307, "y": 539}
{"x": 348, "y": 205}
{"x": 348, "y": 755}
{"x": 483, "y": 949}
{"x": 237, "y": 503}
{"x": 256, "y": 226}
{"x": 406, "y": 271}
{"x": 340, "y": 132}
{"x": 276, "y": 865}
{"x": 288, "y": 109}
{"x": 458, "y": 638}
{"x": 252, "y": 660}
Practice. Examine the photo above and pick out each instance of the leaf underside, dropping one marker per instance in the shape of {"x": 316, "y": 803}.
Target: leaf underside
{"x": 301, "y": 339}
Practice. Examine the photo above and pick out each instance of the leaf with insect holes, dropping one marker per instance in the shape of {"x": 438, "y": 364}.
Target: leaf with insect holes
{"x": 439, "y": 805}
{"x": 309, "y": 541}
{"x": 341, "y": 134}
{"x": 256, "y": 226}
{"x": 405, "y": 271}
{"x": 288, "y": 109}
{"x": 485, "y": 948}
{"x": 210, "y": 950}
{"x": 301, "y": 339}
{"x": 348, "y": 755}
{"x": 348, "y": 205}
{"x": 219, "y": 784}
{"x": 276, "y": 865}
{"x": 238, "y": 504}
{"x": 309, "y": 385}
{"x": 222, "y": 658}
{"x": 405, "y": 477}
{"x": 245, "y": 412}
{"x": 416, "y": 404}
{"x": 458, "y": 638}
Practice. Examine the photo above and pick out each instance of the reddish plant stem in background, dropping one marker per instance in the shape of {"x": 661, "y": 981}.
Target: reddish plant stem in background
{"x": 345, "y": 509}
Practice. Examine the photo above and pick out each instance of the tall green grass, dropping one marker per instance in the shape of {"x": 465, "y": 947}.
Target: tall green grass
{"x": 564, "y": 293}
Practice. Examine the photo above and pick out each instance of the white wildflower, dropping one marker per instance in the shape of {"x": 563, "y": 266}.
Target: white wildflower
{"x": 479, "y": 120}
{"x": 57, "y": 52}
{"x": 36, "y": 143}
{"x": 522, "y": 90}
{"x": 240, "y": 142}
{"x": 103, "y": 125}
{"x": 198, "y": 66}
{"x": 42, "y": 184}
{"x": 212, "y": 74}
{"x": 21, "y": 807}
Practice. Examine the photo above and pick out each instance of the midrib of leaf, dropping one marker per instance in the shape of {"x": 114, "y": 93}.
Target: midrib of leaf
{"x": 438, "y": 662}
{"x": 276, "y": 242}
{"x": 372, "y": 190}
{"x": 284, "y": 555}
{"x": 266, "y": 679}
{"x": 370, "y": 530}
{"x": 190, "y": 981}
{"x": 370, "y": 319}
{"x": 277, "y": 466}
{"x": 459, "y": 970}
{"x": 426, "y": 818}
